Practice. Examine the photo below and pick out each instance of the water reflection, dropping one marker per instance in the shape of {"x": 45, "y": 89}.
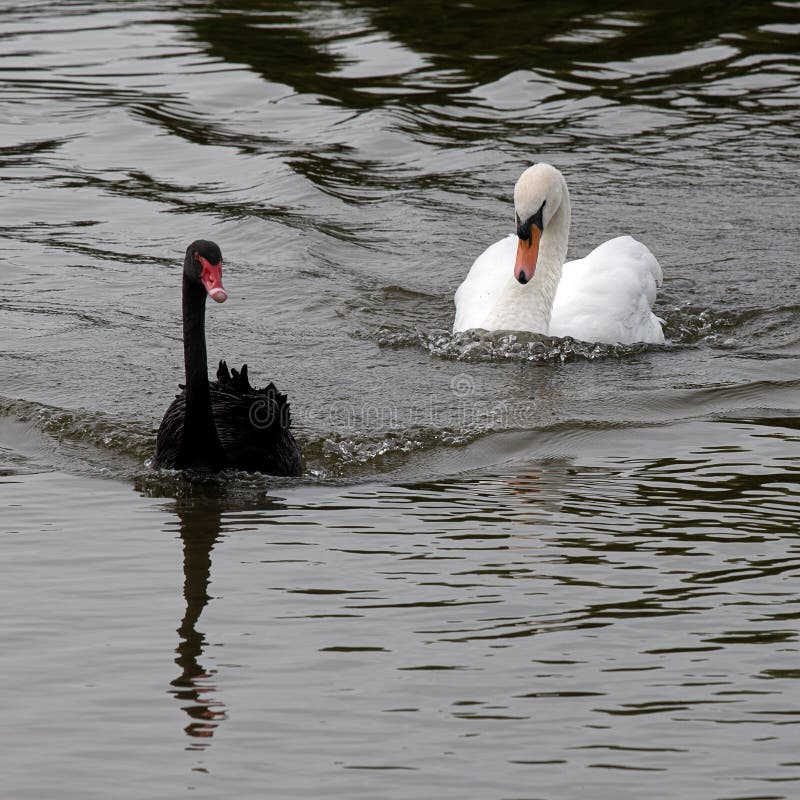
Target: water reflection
{"x": 362, "y": 54}
{"x": 200, "y": 510}
{"x": 196, "y": 687}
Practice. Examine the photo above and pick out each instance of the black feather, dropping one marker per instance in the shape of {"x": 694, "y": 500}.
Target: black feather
{"x": 229, "y": 424}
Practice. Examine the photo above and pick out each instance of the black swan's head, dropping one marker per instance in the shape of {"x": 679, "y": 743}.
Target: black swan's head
{"x": 203, "y": 264}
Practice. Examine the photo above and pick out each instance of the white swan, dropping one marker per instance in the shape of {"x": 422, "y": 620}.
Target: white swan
{"x": 521, "y": 283}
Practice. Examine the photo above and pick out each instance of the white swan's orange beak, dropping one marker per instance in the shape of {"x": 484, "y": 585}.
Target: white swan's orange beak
{"x": 527, "y": 255}
{"x": 211, "y": 276}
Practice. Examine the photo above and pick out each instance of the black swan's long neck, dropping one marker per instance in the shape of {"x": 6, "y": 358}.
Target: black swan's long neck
{"x": 200, "y": 445}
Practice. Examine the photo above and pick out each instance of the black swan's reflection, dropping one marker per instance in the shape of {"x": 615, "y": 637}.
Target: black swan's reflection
{"x": 200, "y": 509}
{"x": 195, "y": 687}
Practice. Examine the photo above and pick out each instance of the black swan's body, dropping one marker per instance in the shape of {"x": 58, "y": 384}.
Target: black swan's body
{"x": 225, "y": 424}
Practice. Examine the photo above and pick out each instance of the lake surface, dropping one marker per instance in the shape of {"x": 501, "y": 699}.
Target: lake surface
{"x": 517, "y": 568}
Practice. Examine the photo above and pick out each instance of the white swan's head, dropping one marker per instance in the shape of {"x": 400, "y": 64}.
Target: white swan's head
{"x": 538, "y": 194}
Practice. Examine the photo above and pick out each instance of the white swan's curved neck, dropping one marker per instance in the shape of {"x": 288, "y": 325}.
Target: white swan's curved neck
{"x": 528, "y": 307}
{"x": 555, "y": 238}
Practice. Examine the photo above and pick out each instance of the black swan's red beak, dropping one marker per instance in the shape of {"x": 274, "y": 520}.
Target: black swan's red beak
{"x": 211, "y": 276}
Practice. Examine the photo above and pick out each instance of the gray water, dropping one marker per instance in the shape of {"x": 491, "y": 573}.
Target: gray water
{"x": 516, "y": 567}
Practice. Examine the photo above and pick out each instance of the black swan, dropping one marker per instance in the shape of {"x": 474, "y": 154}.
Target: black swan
{"x": 225, "y": 424}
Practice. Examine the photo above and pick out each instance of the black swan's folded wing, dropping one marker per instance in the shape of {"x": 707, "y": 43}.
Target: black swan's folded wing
{"x": 170, "y": 434}
{"x": 254, "y": 425}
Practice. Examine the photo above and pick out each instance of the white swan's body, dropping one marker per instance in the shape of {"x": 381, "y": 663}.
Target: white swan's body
{"x": 522, "y": 283}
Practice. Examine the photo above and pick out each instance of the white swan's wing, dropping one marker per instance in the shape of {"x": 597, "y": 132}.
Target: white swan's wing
{"x": 486, "y": 280}
{"x": 608, "y": 295}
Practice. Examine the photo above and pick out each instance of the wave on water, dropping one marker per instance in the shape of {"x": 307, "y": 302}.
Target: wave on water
{"x": 480, "y": 345}
{"x": 346, "y": 447}
{"x": 687, "y": 325}
{"x": 359, "y": 455}
{"x": 91, "y": 442}
{"x": 89, "y": 428}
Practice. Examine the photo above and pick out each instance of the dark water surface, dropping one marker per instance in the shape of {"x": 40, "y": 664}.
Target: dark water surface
{"x": 517, "y": 568}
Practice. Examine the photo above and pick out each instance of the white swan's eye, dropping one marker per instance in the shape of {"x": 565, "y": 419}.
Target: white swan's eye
{"x": 524, "y": 228}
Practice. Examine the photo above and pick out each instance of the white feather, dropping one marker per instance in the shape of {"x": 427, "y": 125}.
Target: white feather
{"x": 605, "y": 297}
{"x": 608, "y": 295}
